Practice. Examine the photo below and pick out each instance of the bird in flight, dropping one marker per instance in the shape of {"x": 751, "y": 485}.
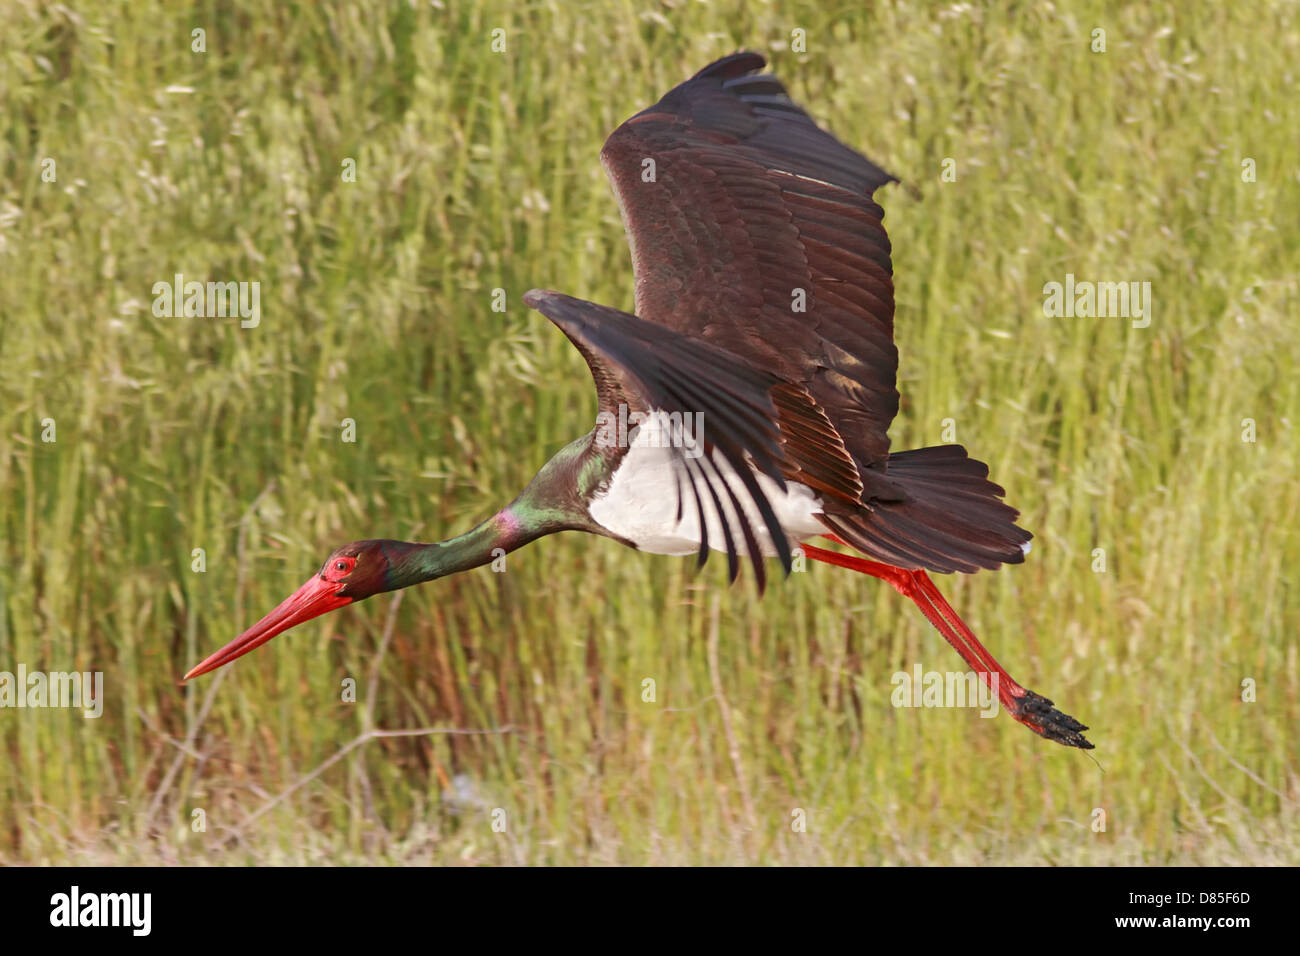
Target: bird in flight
{"x": 744, "y": 407}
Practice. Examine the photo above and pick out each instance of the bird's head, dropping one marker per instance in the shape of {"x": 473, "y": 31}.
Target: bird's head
{"x": 352, "y": 573}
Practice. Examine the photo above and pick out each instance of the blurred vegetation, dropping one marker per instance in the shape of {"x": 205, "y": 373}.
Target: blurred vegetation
{"x": 478, "y": 170}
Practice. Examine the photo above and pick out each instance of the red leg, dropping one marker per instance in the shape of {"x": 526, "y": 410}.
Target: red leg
{"x": 1033, "y": 710}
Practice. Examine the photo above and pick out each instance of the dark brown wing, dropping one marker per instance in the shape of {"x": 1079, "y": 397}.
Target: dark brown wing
{"x": 753, "y": 233}
{"x": 753, "y": 229}
{"x": 647, "y": 366}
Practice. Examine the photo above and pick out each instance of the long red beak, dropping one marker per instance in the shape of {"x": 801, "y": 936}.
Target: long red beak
{"x": 311, "y": 600}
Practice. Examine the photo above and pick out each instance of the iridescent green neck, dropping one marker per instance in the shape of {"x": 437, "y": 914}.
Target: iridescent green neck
{"x": 555, "y": 500}
{"x": 412, "y": 563}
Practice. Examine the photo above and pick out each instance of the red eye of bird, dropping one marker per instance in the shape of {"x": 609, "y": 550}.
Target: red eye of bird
{"x": 338, "y": 569}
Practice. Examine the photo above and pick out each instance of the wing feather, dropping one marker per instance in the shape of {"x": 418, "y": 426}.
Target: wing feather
{"x": 650, "y": 367}
{"x": 754, "y": 229}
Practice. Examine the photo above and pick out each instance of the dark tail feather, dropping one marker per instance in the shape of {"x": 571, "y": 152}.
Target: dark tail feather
{"x": 950, "y": 517}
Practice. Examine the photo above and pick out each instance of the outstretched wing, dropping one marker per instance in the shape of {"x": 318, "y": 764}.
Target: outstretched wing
{"x": 648, "y": 367}
{"x": 758, "y": 251}
{"x": 753, "y": 229}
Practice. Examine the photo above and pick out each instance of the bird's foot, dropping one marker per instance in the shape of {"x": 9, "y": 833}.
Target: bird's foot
{"x": 1039, "y": 715}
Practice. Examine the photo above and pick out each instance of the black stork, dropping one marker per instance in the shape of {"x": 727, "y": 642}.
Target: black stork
{"x": 745, "y": 406}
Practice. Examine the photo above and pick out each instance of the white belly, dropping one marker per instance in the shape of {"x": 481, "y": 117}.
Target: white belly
{"x": 640, "y": 505}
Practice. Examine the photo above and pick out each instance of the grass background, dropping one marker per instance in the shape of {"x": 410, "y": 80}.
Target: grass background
{"x": 478, "y": 170}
